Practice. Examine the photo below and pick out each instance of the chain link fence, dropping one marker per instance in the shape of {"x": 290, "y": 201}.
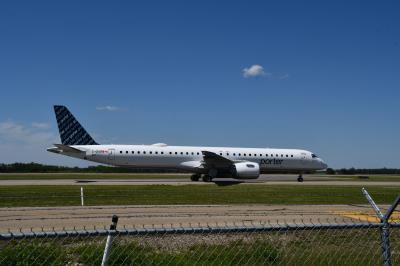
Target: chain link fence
{"x": 353, "y": 243}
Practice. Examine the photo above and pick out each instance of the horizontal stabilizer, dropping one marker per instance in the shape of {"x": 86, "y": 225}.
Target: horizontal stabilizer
{"x": 66, "y": 148}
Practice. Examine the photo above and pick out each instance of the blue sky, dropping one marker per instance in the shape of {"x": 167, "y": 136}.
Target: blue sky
{"x": 321, "y": 76}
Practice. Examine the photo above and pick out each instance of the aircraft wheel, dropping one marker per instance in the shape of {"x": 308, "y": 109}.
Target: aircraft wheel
{"x": 207, "y": 178}
{"x": 300, "y": 178}
{"x": 195, "y": 177}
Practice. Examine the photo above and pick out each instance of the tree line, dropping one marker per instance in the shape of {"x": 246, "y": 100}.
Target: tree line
{"x": 42, "y": 168}
{"x": 363, "y": 171}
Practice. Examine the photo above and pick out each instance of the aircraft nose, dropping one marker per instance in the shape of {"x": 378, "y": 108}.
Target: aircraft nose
{"x": 322, "y": 164}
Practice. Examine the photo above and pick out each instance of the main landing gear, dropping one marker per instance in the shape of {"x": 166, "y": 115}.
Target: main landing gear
{"x": 207, "y": 178}
{"x": 300, "y": 178}
{"x": 195, "y": 177}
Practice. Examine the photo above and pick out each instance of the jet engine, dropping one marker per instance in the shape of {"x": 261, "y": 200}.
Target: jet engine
{"x": 245, "y": 170}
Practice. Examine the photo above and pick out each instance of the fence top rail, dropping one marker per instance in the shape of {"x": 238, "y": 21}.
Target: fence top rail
{"x": 186, "y": 230}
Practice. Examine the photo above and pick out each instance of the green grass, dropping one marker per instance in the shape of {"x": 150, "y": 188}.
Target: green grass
{"x": 300, "y": 247}
{"x": 88, "y": 176}
{"x": 32, "y": 253}
{"x": 132, "y": 253}
{"x": 14, "y": 196}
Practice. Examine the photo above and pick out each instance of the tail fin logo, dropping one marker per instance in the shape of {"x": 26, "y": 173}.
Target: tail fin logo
{"x": 71, "y": 131}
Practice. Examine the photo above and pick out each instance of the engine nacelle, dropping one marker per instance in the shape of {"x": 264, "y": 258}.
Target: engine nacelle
{"x": 246, "y": 170}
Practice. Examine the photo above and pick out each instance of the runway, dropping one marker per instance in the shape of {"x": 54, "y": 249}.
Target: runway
{"x": 178, "y": 215}
{"x": 309, "y": 180}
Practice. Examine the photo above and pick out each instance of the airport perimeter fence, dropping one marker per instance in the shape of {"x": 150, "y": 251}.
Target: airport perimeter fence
{"x": 350, "y": 243}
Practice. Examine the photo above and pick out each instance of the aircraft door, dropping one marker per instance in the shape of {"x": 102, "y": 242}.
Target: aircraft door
{"x": 111, "y": 154}
{"x": 303, "y": 158}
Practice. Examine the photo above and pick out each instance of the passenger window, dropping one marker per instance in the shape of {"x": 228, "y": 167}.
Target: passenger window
{"x": 281, "y": 155}
{"x": 151, "y": 152}
{"x": 250, "y": 165}
{"x": 220, "y": 153}
{"x": 126, "y": 152}
{"x": 234, "y": 154}
{"x": 227, "y": 154}
{"x": 249, "y": 154}
{"x": 192, "y": 153}
{"x": 120, "y": 151}
{"x": 187, "y": 153}
{"x": 181, "y": 153}
{"x": 133, "y": 152}
{"x": 287, "y": 155}
{"x": 162, "y": 152}
{"x": 277, "y": 155}
{"x": 272, "y": 155}
{"x": 176, "y": 153}
{"x": 260, "y": 155}
{"x": 266, "y": 155}
{"x": 240, "y": 154}
{"x": 156, "y": 152}
{"x": 198, "y": 153}
{"x": 291, "y": 155}
{"x": 138, "y": 152}
{"x": 144, "y": 152}
{"x": 244, "y": 154}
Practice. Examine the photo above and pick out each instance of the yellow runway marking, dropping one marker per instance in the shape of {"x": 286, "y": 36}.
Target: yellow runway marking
{"x": 367, "y": 216}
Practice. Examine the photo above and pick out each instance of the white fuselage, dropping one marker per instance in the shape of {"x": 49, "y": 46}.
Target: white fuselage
{"x": 189, "y": 158}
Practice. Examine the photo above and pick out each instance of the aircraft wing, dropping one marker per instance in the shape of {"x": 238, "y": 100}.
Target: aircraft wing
{"x": 215, "y": 160}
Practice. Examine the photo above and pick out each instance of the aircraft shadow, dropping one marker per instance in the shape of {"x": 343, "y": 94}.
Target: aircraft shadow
{"x": 228, "y": 183}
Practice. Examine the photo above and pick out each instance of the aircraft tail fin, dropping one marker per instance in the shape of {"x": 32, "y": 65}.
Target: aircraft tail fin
{"x": 71, "y": 131}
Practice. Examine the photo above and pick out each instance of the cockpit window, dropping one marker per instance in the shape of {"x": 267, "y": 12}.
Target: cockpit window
{"x": 314, "y": 156}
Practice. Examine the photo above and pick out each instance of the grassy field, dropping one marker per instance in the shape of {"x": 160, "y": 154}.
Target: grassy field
{"x": 300, "y": 247}
{"x": 190, "y": 194}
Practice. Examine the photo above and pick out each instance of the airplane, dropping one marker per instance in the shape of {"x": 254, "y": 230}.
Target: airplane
{"x": 204, "y": 163}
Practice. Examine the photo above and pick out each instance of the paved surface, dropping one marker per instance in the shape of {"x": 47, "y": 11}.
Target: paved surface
{"x": 178, "y": 215}
{"x": 106, "y": 182}
{"x": 263, "y": 179}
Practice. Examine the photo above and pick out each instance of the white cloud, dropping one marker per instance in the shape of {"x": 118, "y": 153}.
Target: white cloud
{"x": 284, "y": 76}
{"x": 14, "y": 132}
{"x": 254, "y": 71}
{"x": 40, "y": 125}
{"x": 25, "y": 143}
{"x": 28, "y": 143}
{"x": 108, "y": 108}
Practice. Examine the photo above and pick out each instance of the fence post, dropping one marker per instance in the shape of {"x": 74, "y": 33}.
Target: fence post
{"x": 82, "y": 202}
{"x": 385, "y": 229}
{"x": 107, "y": 248}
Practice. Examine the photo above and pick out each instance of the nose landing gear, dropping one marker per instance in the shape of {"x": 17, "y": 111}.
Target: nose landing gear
{"x": 300, "y": 178}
